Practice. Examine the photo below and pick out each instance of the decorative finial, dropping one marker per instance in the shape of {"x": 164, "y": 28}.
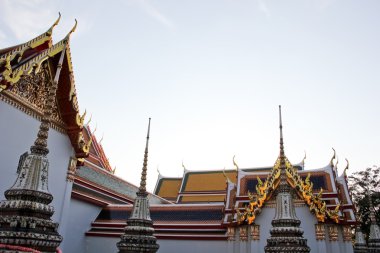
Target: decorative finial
{"x": 96, "y": 128}
{"x": 50, "y": 31}
{"x": 225, "y": 175}
{"x": 332, "y": 158}
{"x": 235, "y": 164}
{"x": 89, "y": 120}
{"x": 282, "y": 152}
{"x": 158, "y": 170}
{"x": 74, "y": 28}
{"x": 101, "y": 139}
{"x": 345, "y": 169}
{"x": 184, "y": 168}
{"x": 142, "y": 188}
{"x": 304, "y": 158}
{"x": 114, "y": 170}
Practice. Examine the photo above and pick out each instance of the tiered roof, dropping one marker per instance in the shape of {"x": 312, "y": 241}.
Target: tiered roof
{"x": 180, "y": 221}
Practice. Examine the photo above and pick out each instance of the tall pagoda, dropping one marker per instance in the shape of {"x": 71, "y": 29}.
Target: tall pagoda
{"x": 286, "y": 234}
{"x": 138, "y": 234}
{"x": 25, "y": 215}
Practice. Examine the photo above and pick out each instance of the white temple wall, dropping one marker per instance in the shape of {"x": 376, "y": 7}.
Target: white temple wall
{"x": 190, "y": 246}
{"x": 79, "y": 222}
{"x": 18, "y": 132}
{"x": 96, "y": 244}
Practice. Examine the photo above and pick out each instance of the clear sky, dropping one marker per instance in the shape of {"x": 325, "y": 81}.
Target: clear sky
{"x": 212, "y": 73}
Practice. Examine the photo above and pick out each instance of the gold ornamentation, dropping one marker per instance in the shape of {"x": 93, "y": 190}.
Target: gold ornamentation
{"x": 255, "y": 232}
{"x": 85, "y": 147}
{"x": 333, "y": 232}
{"x": 18, "y": 52}
{"x": 80, "y": 119}
{"x": 71, "y": 169}
{"x": 33, "y": 89}
{"x": 320, "y": 232}
{"x": 231, "y": 234}
{"x": 243, "y": 233}
{"x": 347, "y": 234}
{"x": 304, "y": 189}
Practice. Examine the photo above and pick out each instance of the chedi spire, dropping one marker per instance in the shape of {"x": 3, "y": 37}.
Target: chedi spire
{"x": 138, "y": 234}
{"x": 286, "y": 234}
{"x": 25, "y": 215}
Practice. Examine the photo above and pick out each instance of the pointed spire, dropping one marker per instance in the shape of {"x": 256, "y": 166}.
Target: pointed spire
{"x": 285, "y": 234}
{"x": 282, "y": 152}
{"x": 138, "y": 234}
{"x": 142, "y": 188}
{"x": 28, "y": 199}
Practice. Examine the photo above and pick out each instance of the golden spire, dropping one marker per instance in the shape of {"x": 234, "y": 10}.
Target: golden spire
{"x": 142, "y": 188}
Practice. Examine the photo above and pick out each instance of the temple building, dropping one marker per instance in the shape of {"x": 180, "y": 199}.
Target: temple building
{"x": 63, "y": 193}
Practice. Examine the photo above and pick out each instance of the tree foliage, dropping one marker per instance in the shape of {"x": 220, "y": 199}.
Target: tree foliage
{"x": 364, "y": 184}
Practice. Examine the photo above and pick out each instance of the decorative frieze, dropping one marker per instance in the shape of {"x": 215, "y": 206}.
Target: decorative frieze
{"x": 231, "y": 234}
{"x": 347, "y": 233}
{"x": 333, "y": 233}
{"x": 255, "y": 232}
{"x": 243, "y": 233}
{"x": 320, "y": 232}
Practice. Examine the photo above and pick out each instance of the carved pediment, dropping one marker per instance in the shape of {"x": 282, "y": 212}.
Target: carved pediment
{"x": 29, "y": 95}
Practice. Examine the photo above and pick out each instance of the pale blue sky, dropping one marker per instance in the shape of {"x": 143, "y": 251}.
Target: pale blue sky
{"x": 212, "y": 73}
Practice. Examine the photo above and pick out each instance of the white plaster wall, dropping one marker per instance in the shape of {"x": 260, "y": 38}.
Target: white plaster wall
{"x": 17, "y": 133}
{"x": 264, "y": 219}
{"x": 189, "y": 246}
{"x": 100, "y": 245}
{"x": 79, "y": 222}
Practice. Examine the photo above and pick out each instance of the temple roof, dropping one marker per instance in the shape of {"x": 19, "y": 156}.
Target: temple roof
{"x": 27, "y": 60}
{"x": 168, "y": 188}
{"x": 180, "y": 221}
{"x": 97, "y": 155}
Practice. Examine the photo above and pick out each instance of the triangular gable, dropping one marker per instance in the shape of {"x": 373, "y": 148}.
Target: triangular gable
{"x": 35, "y": 62}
